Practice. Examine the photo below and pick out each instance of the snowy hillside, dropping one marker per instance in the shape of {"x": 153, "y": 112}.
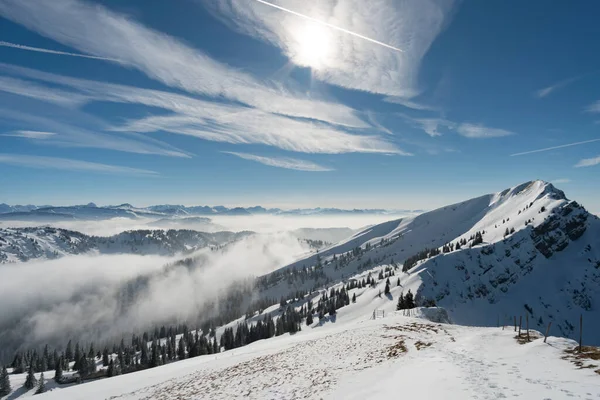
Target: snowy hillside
{"x": 353, "y": 356}
{"x": 525, "y": 250}
{"x": 23, "y": 244}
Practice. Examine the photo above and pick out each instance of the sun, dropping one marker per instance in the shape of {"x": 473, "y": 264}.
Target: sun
{"x": 312, "y": 46}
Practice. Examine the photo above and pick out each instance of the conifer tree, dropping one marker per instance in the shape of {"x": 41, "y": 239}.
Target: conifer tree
{"x": 111, "y": 369}
{"x": 77, "y": 357}
{"x": 144, "y": 360}
{"x": 400, "y": 305}
{"x": 309, "y": 319}
{"x": 181, "y": 349}
{"x": 387, "y": 287}
{"x": 354, "y": 298}
{"x": 30, "y": 382}
{"x": 42, "y": 385}
{"x": 69, "y": 352}
{"x": 105, "y": 359}
{"x": 409, "y": 300}
{"x": 5, "y": 388}
{"x": 58, "y": 371}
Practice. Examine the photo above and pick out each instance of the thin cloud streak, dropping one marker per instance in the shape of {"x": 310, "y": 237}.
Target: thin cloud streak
{"x": 21, "y": 160}
{"x": 329, "y": 25}
{"x": 474, "y": 131}
{"x": 282, "y": 162}
{"x": 588, "y": 162}
{"x": 561, "y": 181}
{"x": 552, "y": 88}
{"x": 555, "y": 147}
{"x": 31, "y": 134}
{"x": 48, "y": 51}
{"x": 74, "y": 136}
{"x": 430, "y": 126}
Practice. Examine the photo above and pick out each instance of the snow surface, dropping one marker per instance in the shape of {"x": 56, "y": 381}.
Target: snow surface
{"x": 356, "y": 357}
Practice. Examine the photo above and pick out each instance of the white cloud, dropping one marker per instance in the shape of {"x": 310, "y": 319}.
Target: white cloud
{"x": 216, "y": 121}
{"x": 252, "y": 126}
{"x": 431, "y": 126}
{"x": 475, "y": 131}
{"x": 282, "y": 162}
{"x": 561, "y": 180}
{"x": 39, "y": 92}
{"x": 22, "y": 160}
{"x": 31, "y": 134}
{"x": 593, "y": 108}
{"x": 588, "y": 162}
{"x": 344, "y": 59}
{"x": 49, "y": 51}
{"x": 96, "y": 30}
{"x": 554, "y": 87}
{"x": 410, "y": 103}
{"x": 74, "y": 136}
{"x": 555, "y": 147}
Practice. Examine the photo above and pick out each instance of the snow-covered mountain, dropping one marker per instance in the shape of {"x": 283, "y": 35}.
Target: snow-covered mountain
{"x": 23, "y": 244}
{"x": 91, "y": 212}
{"x": 525, "y": 250}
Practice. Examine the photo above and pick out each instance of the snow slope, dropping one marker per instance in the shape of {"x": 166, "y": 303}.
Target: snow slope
{"x": 356, "y": 357}
{"x": 549, "y": 267}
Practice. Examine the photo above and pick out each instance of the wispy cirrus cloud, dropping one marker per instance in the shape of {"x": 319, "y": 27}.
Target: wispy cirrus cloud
{"x": 408, "y": 103}
{"x": 28, "y": 161}
{"x": 478, "y": 131}
{"x": 555, "y": 147}
{"x": 556, "y": 86}
{"x": 430, "y": 126}
{"x": 50, "y": 51}
{"x": 215, "y": 121}
{"x": 95, "y": 30}
{"x": 258, "y": 127}
{"x": 39, "y": 92}
{"x": 31, "y": 134}
{"x": 594, "y": 108}
{"x": 282, "y": 162}
{"x": 588, "y": 162}
{"x": 345, "y": 58}
{"x": 561, "y": 181}
{"x": 69, "y": 135}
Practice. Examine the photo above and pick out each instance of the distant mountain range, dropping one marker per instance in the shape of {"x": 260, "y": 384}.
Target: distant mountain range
{"x": 24, "y": 244}
{"x": 93, "y": 212}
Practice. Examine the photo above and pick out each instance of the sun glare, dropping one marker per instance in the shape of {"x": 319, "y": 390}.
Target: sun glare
{"x": 313, "y": 46}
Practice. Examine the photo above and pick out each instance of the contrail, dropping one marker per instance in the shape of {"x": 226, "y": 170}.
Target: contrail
{"x": 60, "y": 53}
{"x": 329, "y": 25}
{"x": 555, "y": 147}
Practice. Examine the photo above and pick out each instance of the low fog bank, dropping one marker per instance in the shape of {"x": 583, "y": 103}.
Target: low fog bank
{"x": 100, "y": 298}
{"x": 255, "y": 223}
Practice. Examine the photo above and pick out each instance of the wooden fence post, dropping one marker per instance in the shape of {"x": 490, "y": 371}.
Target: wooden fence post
{"x": 520, "y": 324}
{"x": 515, "y": 323}
{"x": 527, "y": 322}
{"x": 580, "y": 331}
{"x": 547, "y": 331}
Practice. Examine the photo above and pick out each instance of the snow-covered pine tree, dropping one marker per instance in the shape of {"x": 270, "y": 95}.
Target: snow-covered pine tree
{"x": 41, "y": 386}
{"x": 30, "y": 381}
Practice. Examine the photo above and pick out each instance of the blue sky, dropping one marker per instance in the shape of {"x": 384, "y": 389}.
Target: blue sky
{"x": 296, "y": 103}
